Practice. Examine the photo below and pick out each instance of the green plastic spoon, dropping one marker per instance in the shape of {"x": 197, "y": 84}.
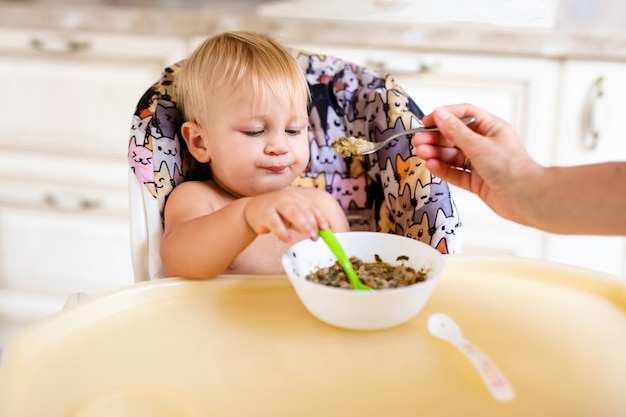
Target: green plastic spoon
{"x": 328, "y": 236}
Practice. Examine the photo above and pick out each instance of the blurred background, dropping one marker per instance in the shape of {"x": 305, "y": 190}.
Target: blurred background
{"x": 73, "y": 72}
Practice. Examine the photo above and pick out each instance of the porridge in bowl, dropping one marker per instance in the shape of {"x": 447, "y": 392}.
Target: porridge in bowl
{"x": 376, "y": 275}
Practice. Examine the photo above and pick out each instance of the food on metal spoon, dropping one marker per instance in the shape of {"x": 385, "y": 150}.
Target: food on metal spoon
{"x": 351, "y": 146}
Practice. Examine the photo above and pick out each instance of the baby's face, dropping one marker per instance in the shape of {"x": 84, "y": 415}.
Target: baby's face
{"x": 256, "y": 145}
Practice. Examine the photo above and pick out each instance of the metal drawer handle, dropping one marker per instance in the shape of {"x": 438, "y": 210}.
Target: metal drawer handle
{"x": 74, "y": 203}
{"x": 421, "y": 67}
{"x": 64, "y": 46}
{"x": 590, "y": 129}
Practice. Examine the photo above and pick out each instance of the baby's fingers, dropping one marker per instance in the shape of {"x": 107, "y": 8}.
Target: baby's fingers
{"x": 284, "y": 213}
{"x": 306, "y": 220}
{"x": 321, "y": 222}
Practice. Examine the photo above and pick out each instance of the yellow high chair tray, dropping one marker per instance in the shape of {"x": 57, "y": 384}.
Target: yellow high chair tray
{"x": 245, "y": 346}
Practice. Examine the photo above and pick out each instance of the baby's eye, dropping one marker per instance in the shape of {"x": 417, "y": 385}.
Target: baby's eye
{"x": 254, "y": 133}
{"x": 293, "y": 132}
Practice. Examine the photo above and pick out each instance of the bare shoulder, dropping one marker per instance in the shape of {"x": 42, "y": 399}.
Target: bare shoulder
{"x": 196, "y": 189}
{"x": 192, "y": 199}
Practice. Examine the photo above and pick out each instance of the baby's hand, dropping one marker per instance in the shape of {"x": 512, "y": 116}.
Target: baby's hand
{"x": 279, "y": 212}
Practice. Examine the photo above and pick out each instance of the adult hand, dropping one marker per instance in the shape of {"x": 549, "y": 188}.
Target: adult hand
{"x": 498, "y": 168}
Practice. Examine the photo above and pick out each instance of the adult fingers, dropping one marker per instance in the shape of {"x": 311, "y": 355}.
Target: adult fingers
{"x": 431, "y": 138}
{"x": 450, "y": 155}
{"x": 474, "y": 139}
{"x": 451, "y": 175}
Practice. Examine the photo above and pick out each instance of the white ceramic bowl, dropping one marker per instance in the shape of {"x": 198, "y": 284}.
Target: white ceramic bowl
{"x": 363, "y": 310}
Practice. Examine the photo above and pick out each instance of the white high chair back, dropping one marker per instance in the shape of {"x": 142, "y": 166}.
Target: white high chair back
{"x": 146, "y": 230}
{"x": 390, "y": 191}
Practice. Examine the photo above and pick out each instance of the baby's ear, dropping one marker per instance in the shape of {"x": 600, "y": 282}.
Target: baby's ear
{"x": 192, "y": 133}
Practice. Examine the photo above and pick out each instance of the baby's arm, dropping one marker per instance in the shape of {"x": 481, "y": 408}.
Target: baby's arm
{"x": 198, "y": 226}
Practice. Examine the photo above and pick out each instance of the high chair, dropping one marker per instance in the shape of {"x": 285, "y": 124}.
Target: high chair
{"x": 390, "y": 191}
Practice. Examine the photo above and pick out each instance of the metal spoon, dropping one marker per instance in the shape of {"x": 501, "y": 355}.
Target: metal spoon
{"x": 443, "y": 327}
{"x": 329, "y": 237}
{"x": 359, "y": 146}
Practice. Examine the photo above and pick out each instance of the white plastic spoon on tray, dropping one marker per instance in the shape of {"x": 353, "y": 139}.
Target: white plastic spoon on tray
{"x": 443, "y": 327}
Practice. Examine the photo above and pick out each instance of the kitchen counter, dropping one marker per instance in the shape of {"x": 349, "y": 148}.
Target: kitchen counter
{"x": 197, "y": 19}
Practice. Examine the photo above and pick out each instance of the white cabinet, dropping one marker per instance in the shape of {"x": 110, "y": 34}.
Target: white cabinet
{"x": 63, "y": 223}
{"x": 66, "y": 110}
{"x": 591, "y": 129}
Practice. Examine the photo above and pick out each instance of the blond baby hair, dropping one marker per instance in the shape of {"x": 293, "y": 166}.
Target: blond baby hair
{"x": 224, "y": 62}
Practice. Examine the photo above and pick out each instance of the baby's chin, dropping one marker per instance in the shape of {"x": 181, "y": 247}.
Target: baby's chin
{"x": 264, "y": 188}
{"x": 257, "y": 184}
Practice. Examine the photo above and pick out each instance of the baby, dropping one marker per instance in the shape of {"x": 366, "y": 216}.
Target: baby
{"x": 244, "y": 102}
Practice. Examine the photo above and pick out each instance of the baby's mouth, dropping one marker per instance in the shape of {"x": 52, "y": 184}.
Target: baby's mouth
{"x": 276, "y": 168}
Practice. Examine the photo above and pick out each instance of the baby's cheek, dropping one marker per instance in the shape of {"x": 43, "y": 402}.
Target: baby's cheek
{"x": 302, "y": 155}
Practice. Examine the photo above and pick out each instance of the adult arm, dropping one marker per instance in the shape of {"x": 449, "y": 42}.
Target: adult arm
{"x": 584, "y": 199}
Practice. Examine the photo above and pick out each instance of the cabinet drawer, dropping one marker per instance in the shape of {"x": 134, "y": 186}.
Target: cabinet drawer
{"x": 60, "y": 253}
{"x": 62, "y": 182}
{"x": 76, "y": 92}
{"x": 486, "y": 233}
{"x": 603, "y": 253}
{"x": 60, "y": 197}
